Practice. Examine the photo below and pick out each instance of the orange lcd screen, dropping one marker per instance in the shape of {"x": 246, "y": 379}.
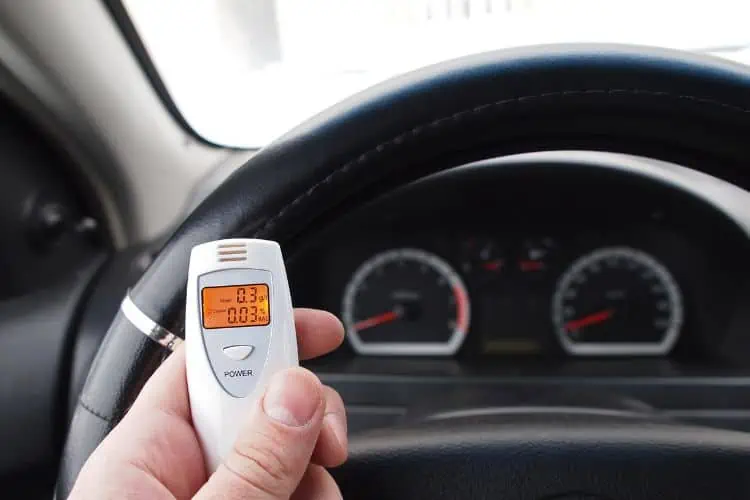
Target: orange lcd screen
{"x": 233, "y": 306}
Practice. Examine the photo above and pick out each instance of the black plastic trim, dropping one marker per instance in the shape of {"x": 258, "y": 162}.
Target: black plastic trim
{"x": 78, "y": 159}
{"x": 375, "y": 401}
{"x": 37, "y": 330}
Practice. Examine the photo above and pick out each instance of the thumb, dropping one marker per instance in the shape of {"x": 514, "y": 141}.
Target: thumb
{"x": 274, "y": 447}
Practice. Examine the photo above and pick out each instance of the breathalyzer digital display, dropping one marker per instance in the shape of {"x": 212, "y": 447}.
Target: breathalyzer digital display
{"x": 235, "y": 306}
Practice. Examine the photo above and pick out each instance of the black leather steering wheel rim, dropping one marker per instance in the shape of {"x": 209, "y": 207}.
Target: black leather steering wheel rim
{"x": 674, "y": 106}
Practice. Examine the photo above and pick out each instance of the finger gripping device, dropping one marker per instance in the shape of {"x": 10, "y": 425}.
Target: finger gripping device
{"x": 239, "y": 331}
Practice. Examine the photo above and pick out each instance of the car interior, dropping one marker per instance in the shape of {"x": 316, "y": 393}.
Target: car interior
{"x": 537, "y": 248}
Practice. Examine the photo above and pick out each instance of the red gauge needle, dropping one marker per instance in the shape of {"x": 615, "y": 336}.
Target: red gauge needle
{"x": 590, "y": 319}
{"x": 380, "y": 319}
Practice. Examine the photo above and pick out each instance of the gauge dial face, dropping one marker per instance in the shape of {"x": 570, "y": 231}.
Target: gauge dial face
{"x": 617, "y": 301}
{"x": 406, "y": 302}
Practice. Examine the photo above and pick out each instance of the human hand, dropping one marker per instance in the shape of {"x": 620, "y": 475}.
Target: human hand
{"x": 295, "y": 430}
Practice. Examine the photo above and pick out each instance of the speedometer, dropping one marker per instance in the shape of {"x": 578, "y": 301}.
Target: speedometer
{"x": 617, "y": 301}
{"x": 406, "y": 301}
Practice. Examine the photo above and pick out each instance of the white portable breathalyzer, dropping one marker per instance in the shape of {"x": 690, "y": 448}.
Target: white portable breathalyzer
{"x": 239, "y": 331}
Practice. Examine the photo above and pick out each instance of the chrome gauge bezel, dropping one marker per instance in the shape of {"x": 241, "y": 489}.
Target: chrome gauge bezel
{"x": 673, "y": 295}
{"x": 445, "y": 270}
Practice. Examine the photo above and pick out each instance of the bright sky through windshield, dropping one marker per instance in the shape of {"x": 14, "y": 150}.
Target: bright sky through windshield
{"x": 244, "y": 71}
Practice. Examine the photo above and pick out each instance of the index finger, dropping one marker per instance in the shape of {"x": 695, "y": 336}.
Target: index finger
{"x": 318, "y": 332}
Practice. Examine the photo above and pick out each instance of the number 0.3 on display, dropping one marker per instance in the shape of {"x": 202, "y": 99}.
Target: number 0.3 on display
{"x": 235, "y": 306}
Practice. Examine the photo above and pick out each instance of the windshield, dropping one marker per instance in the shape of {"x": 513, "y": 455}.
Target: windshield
{"x": 242, "y": 72}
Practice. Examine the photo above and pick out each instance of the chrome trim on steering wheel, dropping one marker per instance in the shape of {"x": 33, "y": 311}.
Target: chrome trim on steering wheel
{"x": 147, "y": 326}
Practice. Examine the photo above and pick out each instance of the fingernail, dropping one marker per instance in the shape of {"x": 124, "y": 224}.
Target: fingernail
{"x": 292, "y": 398}
{"x": 338, "y": 425}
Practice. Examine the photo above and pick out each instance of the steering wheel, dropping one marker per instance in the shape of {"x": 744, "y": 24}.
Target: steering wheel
{"x": 684, "y": 108}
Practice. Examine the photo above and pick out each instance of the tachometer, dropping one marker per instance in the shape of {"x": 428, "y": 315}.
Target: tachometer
{"x": 406, "y": 301}
{"x": 617, "y": 301}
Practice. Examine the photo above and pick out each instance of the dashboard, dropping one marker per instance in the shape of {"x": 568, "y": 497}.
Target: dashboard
{"x": 504, "y": 262}
{"x": 52, "y": 224}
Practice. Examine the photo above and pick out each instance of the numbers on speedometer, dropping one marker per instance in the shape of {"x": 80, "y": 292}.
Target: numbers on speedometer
{"x": 406, "y": 302}
{"x": 617, "y": 301}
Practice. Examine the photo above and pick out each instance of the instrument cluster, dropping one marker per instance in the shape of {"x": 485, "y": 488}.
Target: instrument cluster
{"x": 535, "y": 262}
{"x": 612, "y": 301}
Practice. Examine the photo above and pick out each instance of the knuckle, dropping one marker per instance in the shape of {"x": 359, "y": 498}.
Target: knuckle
{"x": 333, "y": 400}
{"x": 263, "y": 466}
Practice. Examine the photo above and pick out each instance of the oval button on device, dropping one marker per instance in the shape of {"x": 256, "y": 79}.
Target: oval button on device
{"x": 238, "y": 352}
